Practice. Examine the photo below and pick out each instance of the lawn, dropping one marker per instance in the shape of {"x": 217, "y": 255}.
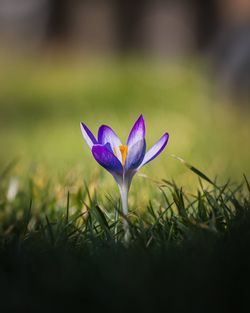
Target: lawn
{"x": 61, "y": 244}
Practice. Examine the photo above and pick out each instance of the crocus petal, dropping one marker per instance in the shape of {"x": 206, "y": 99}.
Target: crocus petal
{"x": 88, "y": 136}
{"x": 135, "y": 155}
{"x": 108, "y": 146}
{"x": 107, "y": 135}
{"x": 107, "y": 159}
{"x": 155, "y": 150}
{"x": 137, "y": 132}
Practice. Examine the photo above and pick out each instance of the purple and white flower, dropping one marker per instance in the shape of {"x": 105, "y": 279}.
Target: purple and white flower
{"x": 123, "y": 161}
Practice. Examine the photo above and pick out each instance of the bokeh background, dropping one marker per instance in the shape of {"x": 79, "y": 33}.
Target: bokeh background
{"x": 184, "y": 64}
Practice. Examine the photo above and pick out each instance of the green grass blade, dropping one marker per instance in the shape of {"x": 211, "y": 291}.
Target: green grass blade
{"x": 247, "y": 182}
{"x": 195, "y": 170}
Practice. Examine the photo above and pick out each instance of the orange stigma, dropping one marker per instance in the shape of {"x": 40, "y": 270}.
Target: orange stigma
{"x": 124, "y": 152}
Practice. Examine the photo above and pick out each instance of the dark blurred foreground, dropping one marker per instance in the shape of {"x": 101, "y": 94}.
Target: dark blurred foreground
{"x": 205, "y": 273}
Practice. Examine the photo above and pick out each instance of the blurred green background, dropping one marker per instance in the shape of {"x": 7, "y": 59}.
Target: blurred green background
{"x": 184, "y": 65}
{"x": 42, "y": 104}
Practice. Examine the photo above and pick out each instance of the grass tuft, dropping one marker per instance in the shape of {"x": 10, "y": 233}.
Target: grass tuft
{"x": 184, "y": 245}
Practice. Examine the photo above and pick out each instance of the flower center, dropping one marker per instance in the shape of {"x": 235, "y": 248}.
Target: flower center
{"x": 124, "y": 152}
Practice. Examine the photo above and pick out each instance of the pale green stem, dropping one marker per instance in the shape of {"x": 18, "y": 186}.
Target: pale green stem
{"x": 124, "y": 189}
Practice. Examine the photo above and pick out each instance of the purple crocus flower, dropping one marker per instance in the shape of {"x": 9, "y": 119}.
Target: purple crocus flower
{"x": 123, "y": 161}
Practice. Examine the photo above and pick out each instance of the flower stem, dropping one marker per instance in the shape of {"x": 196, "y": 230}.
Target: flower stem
{"x": 124, "y": 197}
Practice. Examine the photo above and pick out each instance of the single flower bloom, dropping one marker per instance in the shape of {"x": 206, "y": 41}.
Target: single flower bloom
{"x": 123, "y": 161}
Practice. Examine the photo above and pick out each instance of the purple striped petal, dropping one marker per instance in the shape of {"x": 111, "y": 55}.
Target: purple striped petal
{"x": 107, "y": 159}
{"x": 107, "y": 135}
{"x": 137, "y": 132}
{"x": 88, "y": 136}
{"x": 155, "y": 150}
{"x": 135, "y": 155}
